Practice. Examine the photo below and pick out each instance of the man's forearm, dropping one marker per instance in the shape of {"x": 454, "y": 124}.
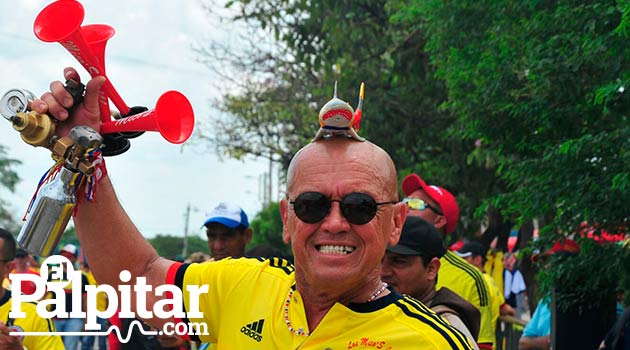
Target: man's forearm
{"x": 111, "y": 241}
{"x": 534, "y": 343}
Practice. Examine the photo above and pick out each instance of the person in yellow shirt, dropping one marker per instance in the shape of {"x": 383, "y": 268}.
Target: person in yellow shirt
{"x": 437, "y": 206}
{"x": 340, "y": 213}
{"x": 32, "y": 322}
{"x": 474, "y": 253}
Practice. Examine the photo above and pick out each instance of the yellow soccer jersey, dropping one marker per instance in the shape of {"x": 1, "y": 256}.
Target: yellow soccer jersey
{"x": 31, "y": 323}
{"x": 494, "y": 267}
{"x": 466, "y": 280}
{"x": 246, "y": 303}
{"x": 496, "y": 300}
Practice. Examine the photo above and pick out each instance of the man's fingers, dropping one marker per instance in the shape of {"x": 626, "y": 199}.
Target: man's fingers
{"x": 71, "y": 73}
{"x": 61, "y": 94}
{"x": 38, "y": 106}
{"x": 90, "y": 103}
{"x": 55, "y": 109}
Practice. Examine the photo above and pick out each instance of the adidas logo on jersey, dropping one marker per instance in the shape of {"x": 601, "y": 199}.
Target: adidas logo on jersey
{"x": 254, "y": 330}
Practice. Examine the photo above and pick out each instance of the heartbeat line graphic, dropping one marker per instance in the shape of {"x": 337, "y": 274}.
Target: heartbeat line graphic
{"x": 111, "y": 329}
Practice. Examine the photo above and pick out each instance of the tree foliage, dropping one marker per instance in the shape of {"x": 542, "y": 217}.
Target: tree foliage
{"x": 167, "y": 246}
{"x": 588, "y": 282}
{"x": 317, "y": 43}
{"x": 8, "y": 179}
{"x": 543, "y": 85}
{"x": 171, "y": 247}
{"x": 267, "y": 228}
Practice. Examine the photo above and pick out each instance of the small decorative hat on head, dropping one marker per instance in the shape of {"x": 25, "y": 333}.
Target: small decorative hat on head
{"x": 337, "y": 118}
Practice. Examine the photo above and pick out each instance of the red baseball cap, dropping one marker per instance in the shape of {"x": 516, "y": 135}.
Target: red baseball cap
{"x": 565, "y": 246}
{"x": 442, "y": 197}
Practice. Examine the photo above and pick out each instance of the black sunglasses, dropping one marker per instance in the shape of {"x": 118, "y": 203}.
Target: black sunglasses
{"x": 357, "y": 208}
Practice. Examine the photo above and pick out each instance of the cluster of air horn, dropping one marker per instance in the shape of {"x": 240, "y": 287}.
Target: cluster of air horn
{"x": 172, "y": 116}
{"x": 56, "y": 195}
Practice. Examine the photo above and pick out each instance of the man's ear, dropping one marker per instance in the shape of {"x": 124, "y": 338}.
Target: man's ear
{"x": 440, "y": 223}
{"x": 284, "y": 214}
{"x": 433, "y": 268}
{"x": 399, "y": 217}
{"x": 248, "y": 234}
{"x": 10, "y": 267}
{"x": 478, "y": 260}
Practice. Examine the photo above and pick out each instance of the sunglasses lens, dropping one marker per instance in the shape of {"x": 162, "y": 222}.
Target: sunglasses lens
{"x": 415, "y": 203}
{"x": 358, "y": 208}
{"x": 311, "y": 207}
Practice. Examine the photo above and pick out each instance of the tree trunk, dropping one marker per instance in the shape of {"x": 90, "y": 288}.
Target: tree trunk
{"x": 499, "y": 227}
{"x": 525, "y": 235}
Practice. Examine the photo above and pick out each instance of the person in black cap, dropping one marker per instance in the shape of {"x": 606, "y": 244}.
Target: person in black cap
{"x": 22, "y": 264}
{"x": 412, "y": 266}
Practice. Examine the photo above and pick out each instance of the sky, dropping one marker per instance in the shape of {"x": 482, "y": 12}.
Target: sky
{"x": 150, "y": 54}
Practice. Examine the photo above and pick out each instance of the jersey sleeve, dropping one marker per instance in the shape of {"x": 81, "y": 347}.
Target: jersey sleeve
{"x": 204, "y": 288}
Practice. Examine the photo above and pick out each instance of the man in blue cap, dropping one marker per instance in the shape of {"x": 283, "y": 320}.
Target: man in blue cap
{"x": 228, "y": 231}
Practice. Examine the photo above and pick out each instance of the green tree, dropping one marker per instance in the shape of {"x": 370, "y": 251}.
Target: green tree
{"x": 543, "y": 86}
{"x": 171, "y": 247}
{"x": 267, "y": 122}
{"x": 69, "y": 237}
{"x": 313, "y": 44}
{"x": 167, "y": 246}
{"x": 545, "y": 91}
{"x": 8, "y": 179}
{"x": 349, "y": 42}
{"x": 267, "y": 228}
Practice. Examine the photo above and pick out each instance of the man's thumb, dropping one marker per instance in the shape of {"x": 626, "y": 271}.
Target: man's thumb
{"x": 90, "y": 102}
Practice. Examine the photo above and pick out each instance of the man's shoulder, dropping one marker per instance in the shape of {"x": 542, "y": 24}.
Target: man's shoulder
{"x": 464, "y": 279}
{"x": 415, "y": 314}
{"x": 463, "y": 267}
{"x": 423, "y": 320}
{"x": 446, "y": 295}
{"x": 274, "y": 264}
{"x": 235, "y": 269}
{"x": 466, "y": 311}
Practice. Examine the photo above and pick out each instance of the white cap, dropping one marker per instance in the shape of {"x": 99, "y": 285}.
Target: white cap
{"x": 70, "y": 248}
{"x": 227, "y": 214}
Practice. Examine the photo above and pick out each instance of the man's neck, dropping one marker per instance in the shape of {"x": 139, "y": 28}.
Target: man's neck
{"x": 317, "y": 302}
{"x": 427, "y": 296}
{"x": 21, "y": 268}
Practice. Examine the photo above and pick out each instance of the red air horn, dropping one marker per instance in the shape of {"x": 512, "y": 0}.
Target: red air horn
{"x": 60, "y": 22}
{"x": 159, "y": 119}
